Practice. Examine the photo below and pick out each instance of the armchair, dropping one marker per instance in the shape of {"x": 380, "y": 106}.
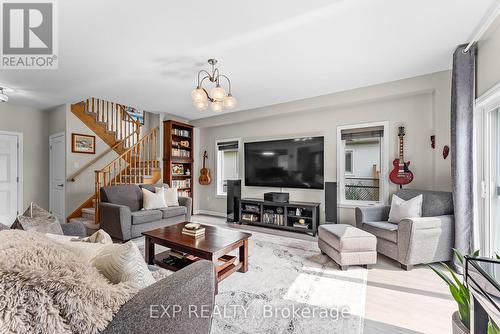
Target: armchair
{"x": 413, "y": 241}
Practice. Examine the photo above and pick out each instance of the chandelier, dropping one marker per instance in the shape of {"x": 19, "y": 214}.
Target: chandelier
{"x": 218, "y": 98}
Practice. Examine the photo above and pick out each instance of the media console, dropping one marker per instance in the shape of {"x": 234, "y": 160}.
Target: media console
{"x": 292, "y": 216}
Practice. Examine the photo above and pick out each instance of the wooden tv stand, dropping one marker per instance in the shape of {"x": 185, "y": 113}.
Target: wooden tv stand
{"x": 280, "y": 215}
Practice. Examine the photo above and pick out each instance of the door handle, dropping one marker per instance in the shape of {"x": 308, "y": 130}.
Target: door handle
{"x": 60, "y": 185}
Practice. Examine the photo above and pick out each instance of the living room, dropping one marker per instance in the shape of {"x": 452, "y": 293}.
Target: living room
{"x": 306, "y": 167}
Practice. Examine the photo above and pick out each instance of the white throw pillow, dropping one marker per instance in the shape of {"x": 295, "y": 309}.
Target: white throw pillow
{"x": 153, "y": 200}
{"x": 99, "y": 237}
{"x": 123, "y": 263}
{"x": 401, "y": 209}
{"x": 171, "y": 196}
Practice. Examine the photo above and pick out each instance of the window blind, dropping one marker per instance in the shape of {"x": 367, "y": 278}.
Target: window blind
{"x": 227, "y": 145}
{"x": 362, "y": 133}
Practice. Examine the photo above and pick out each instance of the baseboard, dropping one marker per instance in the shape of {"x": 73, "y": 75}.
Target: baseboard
{"x": 210, "y": 213}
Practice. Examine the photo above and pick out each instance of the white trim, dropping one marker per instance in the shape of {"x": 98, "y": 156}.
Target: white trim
{"x": 217, "y": 174}
{"x": 209, "y": 213}
{"x": 488, "y": 97}
{"x": 51, "y": 137}
{"x": 384, "y": 165}
{"x": 20, "y": 170}
{"x": 483, "y": 226}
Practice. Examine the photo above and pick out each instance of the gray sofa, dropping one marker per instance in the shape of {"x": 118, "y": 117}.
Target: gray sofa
{"x": 427, "y": 239}
{"x": 120, "y": 213}
{"x": 191, "y": 290}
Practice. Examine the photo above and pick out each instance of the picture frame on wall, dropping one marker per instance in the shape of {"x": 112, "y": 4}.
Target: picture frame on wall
{"x": 81, "y": 143}
{"x": 136, "y": 114}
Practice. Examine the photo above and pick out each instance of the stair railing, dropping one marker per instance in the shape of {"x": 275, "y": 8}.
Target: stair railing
{"x": 116, "y": 118}
{"x": 72, "y": 177}
{"x": 130, "y": 167}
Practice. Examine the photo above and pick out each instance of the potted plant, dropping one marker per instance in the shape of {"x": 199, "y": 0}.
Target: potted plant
{"x": 460, "y": 292}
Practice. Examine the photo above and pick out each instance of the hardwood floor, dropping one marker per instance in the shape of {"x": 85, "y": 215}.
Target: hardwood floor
{"x": 397, "y": 301}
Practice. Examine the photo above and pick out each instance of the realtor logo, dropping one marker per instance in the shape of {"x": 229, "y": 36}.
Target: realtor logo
{"x": 28, "y": 35}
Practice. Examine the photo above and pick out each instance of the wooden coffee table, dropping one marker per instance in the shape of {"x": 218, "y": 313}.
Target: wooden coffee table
{"x": 214, "y": 246}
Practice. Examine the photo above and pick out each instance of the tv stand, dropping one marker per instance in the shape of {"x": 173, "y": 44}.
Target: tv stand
{"x": 282, "y": 216}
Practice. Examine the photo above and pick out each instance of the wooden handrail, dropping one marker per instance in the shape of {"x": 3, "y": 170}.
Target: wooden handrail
{"x": 72, "y": 177}
{"x": 138, "y": 160}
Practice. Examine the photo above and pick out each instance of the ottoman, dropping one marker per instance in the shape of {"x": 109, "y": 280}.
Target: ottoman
{"x": 347, "y": 245}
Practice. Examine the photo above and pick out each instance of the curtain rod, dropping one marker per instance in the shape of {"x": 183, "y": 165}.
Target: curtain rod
{"x": 484, "y": 27}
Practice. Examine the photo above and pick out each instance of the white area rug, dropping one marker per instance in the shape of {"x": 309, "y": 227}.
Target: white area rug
{"x": 290, "y": 288}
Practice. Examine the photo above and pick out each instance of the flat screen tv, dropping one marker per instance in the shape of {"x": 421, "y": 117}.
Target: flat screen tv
{"x": 289, "y": 163}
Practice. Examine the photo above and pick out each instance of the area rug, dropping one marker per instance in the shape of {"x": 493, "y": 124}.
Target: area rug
{"x": 290, "y": 288}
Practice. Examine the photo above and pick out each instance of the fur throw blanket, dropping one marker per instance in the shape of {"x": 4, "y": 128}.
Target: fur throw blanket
{"x": 45, "y": 288}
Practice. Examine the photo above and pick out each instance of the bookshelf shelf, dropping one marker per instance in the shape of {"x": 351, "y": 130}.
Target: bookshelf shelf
{"x": 178, "y": 159}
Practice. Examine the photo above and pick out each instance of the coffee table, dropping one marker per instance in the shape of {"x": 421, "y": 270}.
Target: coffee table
{"x": 214, "y": 246}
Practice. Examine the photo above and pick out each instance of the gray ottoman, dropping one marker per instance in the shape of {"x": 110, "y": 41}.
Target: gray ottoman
{"x": 347, "y": 245}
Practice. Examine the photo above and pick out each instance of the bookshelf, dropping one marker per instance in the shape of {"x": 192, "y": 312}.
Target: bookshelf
{"x": 178, "y": 156}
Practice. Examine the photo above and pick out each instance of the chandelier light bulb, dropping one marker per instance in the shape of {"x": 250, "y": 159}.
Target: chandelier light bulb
{"x": 201, "y": 105}
{"x": 229, "y": 102}
{"x": 216, "y": 106}
{"x": 198, "y": 95}
{"x": 218, "y": 93}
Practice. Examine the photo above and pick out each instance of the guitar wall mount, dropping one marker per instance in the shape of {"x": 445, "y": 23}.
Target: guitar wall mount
{"x": 446, "y": 151}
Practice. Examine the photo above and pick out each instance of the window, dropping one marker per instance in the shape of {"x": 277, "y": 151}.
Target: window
{"x": 348, "y": 161}
{"x": 228, "y": 164}
{"x": 487, "y": 179}
{"x": 361, "y": 150}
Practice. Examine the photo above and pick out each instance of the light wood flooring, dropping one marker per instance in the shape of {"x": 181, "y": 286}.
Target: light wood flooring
{"x": 397, "y": 301}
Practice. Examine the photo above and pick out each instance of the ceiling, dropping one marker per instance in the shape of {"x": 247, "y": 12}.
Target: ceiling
{"x": 147, "y": 54}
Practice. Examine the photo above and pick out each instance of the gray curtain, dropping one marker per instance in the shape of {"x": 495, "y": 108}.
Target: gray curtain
{"x": 462, "y": 100}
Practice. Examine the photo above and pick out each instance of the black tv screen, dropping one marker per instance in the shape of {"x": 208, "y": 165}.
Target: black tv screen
{"x": 290, "y": 163}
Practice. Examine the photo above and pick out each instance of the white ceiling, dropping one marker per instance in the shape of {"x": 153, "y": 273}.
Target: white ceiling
{"x": 147, "y": 53}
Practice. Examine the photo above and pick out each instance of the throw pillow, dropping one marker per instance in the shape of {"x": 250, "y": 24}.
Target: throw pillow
{"x": 36, "y": 219}
{"x": 123, "y": 263}
{"x": 99, "y": 237}
{"x": 401, "y": 209}
{"x": 153, "y": 200}
{"x": 171, "y": 196}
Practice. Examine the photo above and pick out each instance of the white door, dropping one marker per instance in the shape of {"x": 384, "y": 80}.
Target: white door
{"x": 57, "y": 176}
{"x": 9, "y": 178}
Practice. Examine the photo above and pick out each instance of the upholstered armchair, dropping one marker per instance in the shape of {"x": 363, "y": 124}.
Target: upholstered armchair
{"x": 413, "y": 241}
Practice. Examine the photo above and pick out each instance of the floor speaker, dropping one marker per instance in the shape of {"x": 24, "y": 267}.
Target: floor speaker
{"x": 331, "y": 202}
{"x": 233, "y": 200}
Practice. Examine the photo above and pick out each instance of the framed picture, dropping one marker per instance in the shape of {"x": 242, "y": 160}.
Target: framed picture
{"x": 136, "y": 114}
{"x": 82, "y": 143}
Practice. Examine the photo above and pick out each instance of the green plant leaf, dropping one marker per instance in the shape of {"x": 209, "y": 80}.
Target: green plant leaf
{"x": 476, "y": 253}
{"x": 459, "y": 256}
{"x": 493, "y": 328}
{"x": 442, "y": 275}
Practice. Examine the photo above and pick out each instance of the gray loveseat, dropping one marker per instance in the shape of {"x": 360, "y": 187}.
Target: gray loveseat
{"x": 120, "y": 213}
{"x": 417, "y": 240}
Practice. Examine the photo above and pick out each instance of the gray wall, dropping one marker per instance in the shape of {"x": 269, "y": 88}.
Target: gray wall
{"x": 422, "y": 104}
{"x": 57, "y": 119}
{"x": 33, "y": 124}
{"x": 488, "y": 65}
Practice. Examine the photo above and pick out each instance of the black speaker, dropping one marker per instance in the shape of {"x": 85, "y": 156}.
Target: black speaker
{"x": 331, "y": 202}
{"x": 233, "y": 200}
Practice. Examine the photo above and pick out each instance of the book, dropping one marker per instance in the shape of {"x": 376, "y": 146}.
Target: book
{"x": 195, "y": 233}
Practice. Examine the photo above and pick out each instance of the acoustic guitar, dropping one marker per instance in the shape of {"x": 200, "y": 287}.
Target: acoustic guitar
{"x": 401, "y": 174}
{"x": 204, "y": 178}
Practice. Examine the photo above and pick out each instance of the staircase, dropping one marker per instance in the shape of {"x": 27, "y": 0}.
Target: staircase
{"x": 137, "y": 160}
{"x": 110, "y": 121}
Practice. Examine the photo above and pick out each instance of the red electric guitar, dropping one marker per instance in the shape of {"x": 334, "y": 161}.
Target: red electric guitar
{"x": 401, "y": 174}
